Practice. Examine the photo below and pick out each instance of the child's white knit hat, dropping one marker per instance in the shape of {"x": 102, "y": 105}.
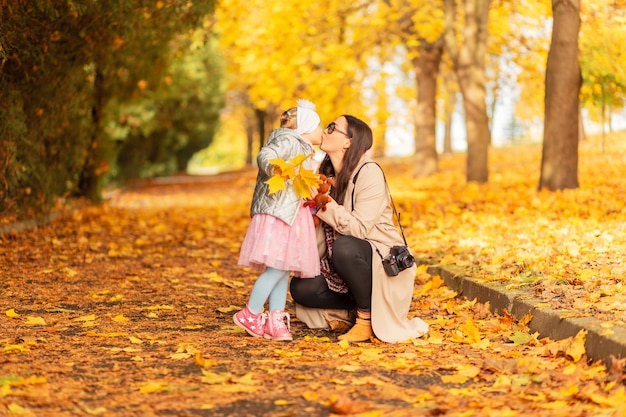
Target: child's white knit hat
{"x": 307, "y": 117}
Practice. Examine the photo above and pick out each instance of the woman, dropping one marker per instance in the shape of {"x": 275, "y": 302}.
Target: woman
{"x": 358, "y": 232}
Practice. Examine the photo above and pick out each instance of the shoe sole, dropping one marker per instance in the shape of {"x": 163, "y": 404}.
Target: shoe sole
{"x": 244, "y": 327}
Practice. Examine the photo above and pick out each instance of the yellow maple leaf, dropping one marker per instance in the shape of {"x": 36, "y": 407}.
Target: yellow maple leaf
{"x": 303, "y": 182}
{"x": 317, "y": 338}
{"x": 434, "y": 283}
{"x": 246, "y": 379}
{"x": 228, "y": 309}
{"x": 454, "y": 379}
{"x": 135, "y": 340}
{"x": 338, "y": 381}
{"x": 14, "y": 408}
{"x": 570, "y": 369}
{"x": 276, "y": 183}
{"x": 120, "y": 318}
{"x": 202, "y": 361}
{"x": 213, "y": 378}
{"x": 192, "y": 327}
{"x": 35, "y": 321}
{"x": 568, "y": 391}
{"x": 16, "y": 348}
{"x": 575, "y": 346}
{"x": 468, "y": 332}
{"x": 152, "y": 386}
{"x": 90, "y": 317}
{"x": 69, "y": 272}
{"x": 35, "y": 380}
{"x": 233, "y": 284}
{"x": 187, "y": 348}
{"x": 181, "y": 355}
{"x": 299, "y": 159}
{"x": 469, "y": 371}
{"x": 214, "y": 276}
{"x": 348, "y": 368}
{"x": 283, "y": 168}
{"x": 311, "y": 396}
{"x": 304, "y": 179}
{"x": 434, "y": 337}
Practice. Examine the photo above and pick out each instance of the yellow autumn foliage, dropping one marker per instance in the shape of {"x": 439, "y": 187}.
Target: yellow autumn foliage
{"x": 303, "y": 179}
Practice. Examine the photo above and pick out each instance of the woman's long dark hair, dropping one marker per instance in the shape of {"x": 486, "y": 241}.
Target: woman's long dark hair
{"x": 362, "y": 140}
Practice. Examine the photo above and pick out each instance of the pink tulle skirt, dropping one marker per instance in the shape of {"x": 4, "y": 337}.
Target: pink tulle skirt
{"x": 270, "y": 242}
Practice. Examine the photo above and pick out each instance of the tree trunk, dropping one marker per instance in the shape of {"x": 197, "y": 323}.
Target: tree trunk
{"x": 95, "y": 165}
{"x": 476, "y": 124}
{"x": 447, "y": 134}
{"x": 603, "y": 120}
{"x": 249, "y": 142}
{"x": 559, "y": 162}
{"x": 426, "y": 65}
{"x": 260, "y": 118}
{"x": 449, "y": 97}
{"x": 469, "y": 65}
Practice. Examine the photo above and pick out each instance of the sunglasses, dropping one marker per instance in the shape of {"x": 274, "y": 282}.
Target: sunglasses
{"x": 289, "y": 113}
{"x": 332, "y": 127}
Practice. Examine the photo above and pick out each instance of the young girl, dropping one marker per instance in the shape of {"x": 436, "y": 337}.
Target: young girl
{"x": 281, "y": 235}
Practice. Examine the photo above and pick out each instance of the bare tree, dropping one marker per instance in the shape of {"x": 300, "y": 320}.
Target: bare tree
{"x": 559, "y": 162}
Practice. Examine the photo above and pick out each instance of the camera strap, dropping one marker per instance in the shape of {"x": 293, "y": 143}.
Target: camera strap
{"x": 393, "y": 206}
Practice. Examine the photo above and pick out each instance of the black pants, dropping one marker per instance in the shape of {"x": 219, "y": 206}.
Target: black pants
{"x": 352, "y": 259}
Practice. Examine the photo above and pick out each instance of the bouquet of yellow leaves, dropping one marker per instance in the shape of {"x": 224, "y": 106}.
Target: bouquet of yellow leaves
{"x": 303, "y": 178}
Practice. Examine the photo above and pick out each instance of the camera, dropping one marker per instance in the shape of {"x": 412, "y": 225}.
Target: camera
{"x": 399, "y": 259}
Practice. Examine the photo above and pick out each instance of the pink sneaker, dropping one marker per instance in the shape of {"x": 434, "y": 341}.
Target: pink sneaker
{"x": 275, "y": 327}
{"x": 253, "y": 323}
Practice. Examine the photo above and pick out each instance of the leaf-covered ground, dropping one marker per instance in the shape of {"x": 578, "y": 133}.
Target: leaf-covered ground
{"x": 566, "y": 248}
{"x": 124, "y": 309}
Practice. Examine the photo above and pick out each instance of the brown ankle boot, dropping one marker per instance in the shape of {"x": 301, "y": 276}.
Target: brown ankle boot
{"x": 360, "y": 332}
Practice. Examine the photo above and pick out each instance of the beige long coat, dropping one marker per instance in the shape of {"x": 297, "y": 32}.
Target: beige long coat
{"x": 372, "y": 219}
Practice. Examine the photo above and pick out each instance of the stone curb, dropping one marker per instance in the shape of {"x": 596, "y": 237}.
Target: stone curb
{"x": 601, "y": 345}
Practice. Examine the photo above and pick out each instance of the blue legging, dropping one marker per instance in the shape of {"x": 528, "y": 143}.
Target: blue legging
{"x": 271, "y": 284}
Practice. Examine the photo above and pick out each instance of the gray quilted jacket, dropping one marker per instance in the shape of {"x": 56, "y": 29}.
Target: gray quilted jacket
{"x": 285, "y": 144}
